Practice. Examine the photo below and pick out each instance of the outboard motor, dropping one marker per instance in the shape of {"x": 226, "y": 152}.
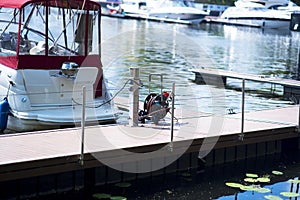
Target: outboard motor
{"x": 4, "y": 109}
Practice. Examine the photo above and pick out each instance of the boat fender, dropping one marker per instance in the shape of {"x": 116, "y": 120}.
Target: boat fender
{"x": 4, "y": 110}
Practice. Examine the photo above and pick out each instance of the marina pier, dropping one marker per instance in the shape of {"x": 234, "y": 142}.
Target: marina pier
{"x": 291, "y": 88}
{"x": 46, "y": 162}
{"x": 49, "y": 163}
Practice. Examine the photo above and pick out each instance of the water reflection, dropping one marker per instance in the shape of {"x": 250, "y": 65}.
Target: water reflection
{"x": 252, "y": 50}
{"x": 173, "y": 49}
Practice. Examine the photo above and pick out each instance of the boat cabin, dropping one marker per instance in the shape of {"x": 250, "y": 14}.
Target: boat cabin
{"x": 45, "y": 34}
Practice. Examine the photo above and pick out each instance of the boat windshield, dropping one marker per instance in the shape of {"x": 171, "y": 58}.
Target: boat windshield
{"x": 183, "y": 3}
{"x": 8, "y": 31}
{"x": 69, "y": 31}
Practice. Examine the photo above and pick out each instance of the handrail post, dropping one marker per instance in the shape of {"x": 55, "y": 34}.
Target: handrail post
{"x": 134, "y": 96}
{"x": 241, "y": 137}
{"x": 299, "y": 119}
{"x": 82, "y": 124}
{"x": 172, "y": 112}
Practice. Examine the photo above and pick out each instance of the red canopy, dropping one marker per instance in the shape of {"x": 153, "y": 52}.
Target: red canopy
{"x": 62, "y": 3}
{"x": 13, "y": 4}
{"x": 22, "y": 61}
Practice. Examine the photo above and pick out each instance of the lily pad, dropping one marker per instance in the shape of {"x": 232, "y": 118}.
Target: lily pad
{"x": 250, "y": 180}
{"x": 188, "y": 179}
{"x": 248, "y": 187}
{"x": 101, "y": 196}
{"x": 294, "y": 181}
{"x": 250, "y": 175}
{"x": 263, "y": 179}
{"x": 123, "y": 184}
{"x": 275, "y": 172}
{"x": 234, "y": 185}
{"x": 186, "y": 174}
{"x": 118, "y": 198}
{"x": 289, "y": 194}
{"x": 273, "y": 197}
{"x": 262, "y": 190}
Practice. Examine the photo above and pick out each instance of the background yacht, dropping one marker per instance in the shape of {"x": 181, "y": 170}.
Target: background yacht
{"x": 255, "y": 14}
{"x": 166, "y": 10}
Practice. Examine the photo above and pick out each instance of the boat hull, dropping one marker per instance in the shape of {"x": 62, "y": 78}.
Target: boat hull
{"x": 43, "y": 99}
{"x": 192, "y": 17}
{"x": 16, "y": 124}
{"x": 257, "y": 22}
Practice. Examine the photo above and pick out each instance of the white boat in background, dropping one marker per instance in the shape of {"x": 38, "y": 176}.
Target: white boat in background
{"x": 248, "y": 13}
{"x": 48, "y": 52}
{"x": 168, "y": 10}
{"x": 290, "y": 8}
{"x": 270, "y": 4}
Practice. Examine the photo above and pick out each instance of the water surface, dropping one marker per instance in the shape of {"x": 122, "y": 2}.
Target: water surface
{"x": 174, "y": 49}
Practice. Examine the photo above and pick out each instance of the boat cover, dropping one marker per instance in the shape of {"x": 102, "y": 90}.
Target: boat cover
{"x": 60, "y": 3}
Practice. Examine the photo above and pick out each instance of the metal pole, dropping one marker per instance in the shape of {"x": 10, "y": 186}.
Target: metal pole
{"x": 134, "y": 96}
{"x": 298, "y": 61}
{"x": 83, "y": 123}
{"x": 299, "y": 119}
{"x": 172, "y": 113}
{"x": 243, "y": 111}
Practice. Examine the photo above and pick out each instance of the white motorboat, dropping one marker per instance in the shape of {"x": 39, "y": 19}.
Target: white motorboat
{"x": 290, "y": 7}
{"x": 49, "y": 51}
{"x": 247, "y": 13}
{"x": 270, "y": 4}
{"x": 168, "y": 10}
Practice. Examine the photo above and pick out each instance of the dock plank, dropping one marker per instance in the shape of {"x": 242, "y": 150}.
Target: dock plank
{"x": 257, "y": 78}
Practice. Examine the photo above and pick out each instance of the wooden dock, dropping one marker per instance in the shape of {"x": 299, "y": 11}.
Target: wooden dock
{"x": 218, "y": 20}
{"x": 45, "y": 162}
{"x": 291, "y": 88}
{"x": 41, "y": 153}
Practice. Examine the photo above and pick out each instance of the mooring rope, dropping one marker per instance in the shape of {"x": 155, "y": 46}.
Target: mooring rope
{"x": 114, "y": 96}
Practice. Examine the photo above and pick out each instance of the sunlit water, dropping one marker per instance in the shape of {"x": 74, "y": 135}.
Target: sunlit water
{"x": 174, "y": 49}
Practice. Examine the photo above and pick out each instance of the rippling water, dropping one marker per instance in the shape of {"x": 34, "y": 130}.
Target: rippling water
{"x": 173, "y": 49}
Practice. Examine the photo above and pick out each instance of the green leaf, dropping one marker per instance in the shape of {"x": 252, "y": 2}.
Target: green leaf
{"x": 248, "y": 187}
{"x": 289, "y": 194}
{"x": 250, "y": 180}
{"x": 251, "y": 175}
{"x": 123, "y": 184}
{"x": 186, "y": 174}
{"x": 188, "y": 179}
{"x": 234, "y": 185}
{"x": 263, "y": 180}
{"x": 262, "y": 190}
{"x": 118, "y": 198}
{"x": 273, "y": 197}
{"x": 277, "y": 172}
{"x": 294, "y": 180}
{"x": 101, "y": 196}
